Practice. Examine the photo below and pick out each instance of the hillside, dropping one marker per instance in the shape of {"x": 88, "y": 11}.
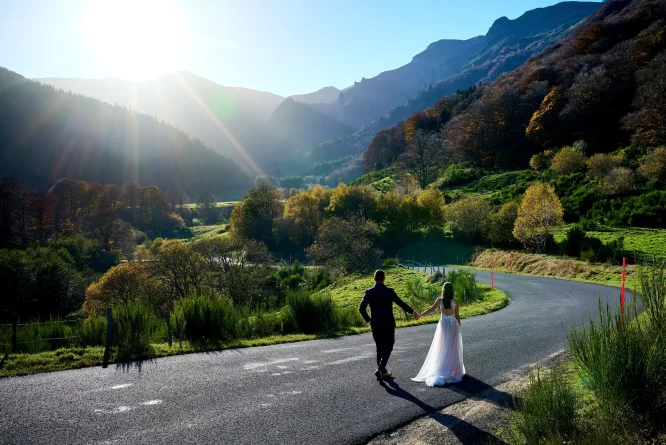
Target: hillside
{"x": 49, "y": 134}
{"x": 324, "y": 95}
{"x": 506, "y": 46}
{"x": 222, "y": 117}
{"x": 602, "y": 85}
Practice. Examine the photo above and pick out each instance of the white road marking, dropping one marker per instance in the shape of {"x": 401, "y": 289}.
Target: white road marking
{"x": 250, "y": 366}
{"x": 307, "y": 362}
{"x": 120, "y": 409}
{"x": 152, "y": 402}
{"x": 333, "y": 351}
{"x": 264, "y": 404}
{"x": 123, "y": 386}
{"x": 349, "y": 359}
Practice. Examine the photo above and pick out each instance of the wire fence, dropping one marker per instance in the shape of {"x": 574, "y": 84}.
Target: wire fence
{"x": 38, "y": 336}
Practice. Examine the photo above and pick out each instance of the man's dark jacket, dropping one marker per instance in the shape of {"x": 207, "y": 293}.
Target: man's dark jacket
{"x": 381, "y": 299}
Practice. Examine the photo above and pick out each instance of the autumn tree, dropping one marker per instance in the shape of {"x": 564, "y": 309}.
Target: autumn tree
{"x": 540, "y": 210}
{"x": 398, "y": 216}
{"x": 345, "y": 246}
{"x": 618, "y": 181}
{"x": 568, "y": 160}
{"x": 600, "y": 164}
{"x": 385, "y": 148}
{"x": 469, "y": 217}
{"x": 256, "y": 215}
{"x": 424, "y": 156}
{"x": 121, "y": 284}
{"x": 304, "y": 212}
{"x": 653, "y": 165}
{"x": 349, "y": 201}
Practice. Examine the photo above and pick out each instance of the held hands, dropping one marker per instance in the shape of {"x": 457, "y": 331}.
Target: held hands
{"x": 416, "y": 315}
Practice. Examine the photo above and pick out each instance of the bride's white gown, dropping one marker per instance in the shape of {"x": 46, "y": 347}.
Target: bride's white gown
{"x": 444, "y": 363}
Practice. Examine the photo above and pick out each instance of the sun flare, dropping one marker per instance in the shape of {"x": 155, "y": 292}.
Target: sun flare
{"x": 136, "y": 39}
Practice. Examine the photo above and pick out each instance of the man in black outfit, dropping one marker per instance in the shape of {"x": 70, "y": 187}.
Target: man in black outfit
{"x": 381, "y": 299}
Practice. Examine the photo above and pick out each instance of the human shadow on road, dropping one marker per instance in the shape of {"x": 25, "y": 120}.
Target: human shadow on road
{"x": 466, "y": 433}
{"x": 478, "y": 390}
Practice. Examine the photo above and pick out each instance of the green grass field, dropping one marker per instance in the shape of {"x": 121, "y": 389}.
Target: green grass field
{"x": 217, "y": 204}
{"x": 201, "y": 232}
{"x": 641, "y": 240}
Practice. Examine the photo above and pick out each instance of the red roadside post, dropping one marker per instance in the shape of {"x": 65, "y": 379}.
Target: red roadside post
{"x": 492, "y": 277}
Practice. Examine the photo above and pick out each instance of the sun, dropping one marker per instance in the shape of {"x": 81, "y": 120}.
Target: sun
{"x": 135, "y": 39}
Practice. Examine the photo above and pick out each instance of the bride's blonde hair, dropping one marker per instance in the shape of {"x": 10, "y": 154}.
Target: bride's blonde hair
{"x": 447, "y": 294}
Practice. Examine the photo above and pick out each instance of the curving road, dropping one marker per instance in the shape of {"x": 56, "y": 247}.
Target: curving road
{"x": 317, "y": 392}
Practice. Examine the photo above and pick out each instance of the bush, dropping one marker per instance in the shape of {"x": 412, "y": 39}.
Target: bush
{"x": 546, "y": 410}
{"x": 464, "y": 285}
{"x": 618, "y": 181}
{"x": 209, "y": 319}
{"x": 653, "y": 165}
{"x": 568, "y": 160}
{"x": 469, "y": 217}
{"x": 133, "y": 326}
{"x": 540, "y": 162}
{"x": 501, "y": 225}
{"x": 624, "y": 358}
{"x": 458, "y": 174}
{"x": 310, "y": 313}
{"x": 317, "y": 279}
{"x": 601, "y": 164}
{"x": 420, "y": 294}
{"x": 92, "y": 332}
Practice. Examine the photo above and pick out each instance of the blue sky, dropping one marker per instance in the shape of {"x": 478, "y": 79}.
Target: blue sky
{"x": 286, "y": 46}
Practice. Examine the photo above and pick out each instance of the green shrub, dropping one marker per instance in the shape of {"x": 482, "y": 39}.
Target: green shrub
{"x": 92, "y": 332}
{"x": 545, "y": 410}
{"x": 458, "y": 174}
{"x": 33, "y": 337}
{"x": 133, "y": 325}
{"x": 209, "y": 319}
{"x": 420, "y": 294}
{"x": 311, "y": 313}
{"x": 464, "y": 285}
{"x": 318, "y": 279}
{"x": 624, "y": 358}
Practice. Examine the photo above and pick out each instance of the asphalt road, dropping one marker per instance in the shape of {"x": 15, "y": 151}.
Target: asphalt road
{"x": 316, "y": 392}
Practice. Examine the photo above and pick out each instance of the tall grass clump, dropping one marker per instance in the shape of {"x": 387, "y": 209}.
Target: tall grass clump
{"x": 260, "y": 322}
{"x": 133, "y": 325}
{"x": 310, "y": 313}
{"x": 91, "y": 332}
{"x": 420, "y": 294}
{"x": 209, "y": 319}
{"x": 546, "y": 411}
{"x": 624, "y": 357}
{"x": 464, "y": 285}
{"x": 38, "y": 336}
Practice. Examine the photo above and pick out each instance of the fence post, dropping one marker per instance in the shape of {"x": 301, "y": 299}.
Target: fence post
{"x": 170, "y": 335}
{"x": 14, "y": 336}
{"x": 109, "y": 337}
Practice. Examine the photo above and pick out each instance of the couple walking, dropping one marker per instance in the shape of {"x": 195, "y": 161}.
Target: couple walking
{"x": 444, "y": 362}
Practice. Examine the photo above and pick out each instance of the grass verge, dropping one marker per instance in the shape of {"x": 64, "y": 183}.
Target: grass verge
{"x": 550, "y": 266}
{"x": 347, "y": 292}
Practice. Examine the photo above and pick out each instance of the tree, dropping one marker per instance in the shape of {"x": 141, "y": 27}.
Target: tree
{"x": 540, "y": 210}
{"x": 236, "y": 268}
{"x": 292, "y": 182}
{"x": 256, "y": 215}
{"x": 501, "y": 224}
{"x": 617, "y": 181}
{"x": 180, "y": 268}
{"x": 345, "y": 246}
{"x": 349, "y": 201}
{"x": 540, "y": 162}
{"x": 653, "y": 165}
{"x": 424, "y": 156}
{"x": 600, "y": 164}
{"x": 40, "y": 213}
{"x": 568, "y": 160}
{"x": 431, "y": 208}
{"x": 10, "y": 197}
{"x": 469, "y": 216}
{"x": 121, "y": 284}
{"x": 385, "y": 148}
{"x": 304, "y": 212}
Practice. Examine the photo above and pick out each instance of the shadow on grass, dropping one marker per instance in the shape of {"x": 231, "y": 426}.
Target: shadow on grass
{"x": 478, "y": 390}
{"x": 465, "y": 432}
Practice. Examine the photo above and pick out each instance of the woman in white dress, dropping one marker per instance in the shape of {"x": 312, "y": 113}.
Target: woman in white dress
{"x": 444, "y": 363}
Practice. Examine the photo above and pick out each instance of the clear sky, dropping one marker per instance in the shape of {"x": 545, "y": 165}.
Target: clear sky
{"x": 283, "y": 46}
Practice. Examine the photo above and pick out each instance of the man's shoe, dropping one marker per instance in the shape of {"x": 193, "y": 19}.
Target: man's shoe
{"x": 387, "y": 375}
{"x": 379, "y": 375}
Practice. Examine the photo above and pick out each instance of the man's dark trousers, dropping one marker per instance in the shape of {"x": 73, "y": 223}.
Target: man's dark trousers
{"x": 384, "y": 340}
{"x": 381, "y": 299}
